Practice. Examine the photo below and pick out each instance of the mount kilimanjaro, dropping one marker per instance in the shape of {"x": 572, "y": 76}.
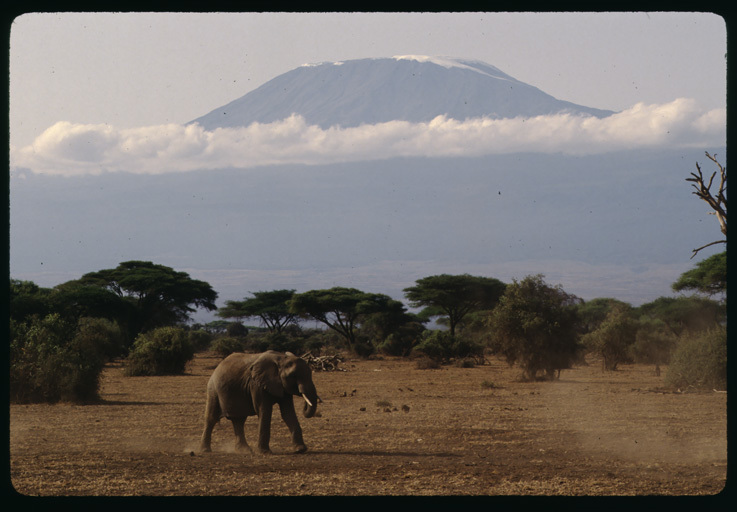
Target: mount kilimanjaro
{"x": 617, "y": 224}
{"x": 407, "y": 88}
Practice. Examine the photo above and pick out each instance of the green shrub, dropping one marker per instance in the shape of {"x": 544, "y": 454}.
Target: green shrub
{"x": 435, "y": 344}
{"x": 363, "y": 348}
{"x": 105, "y": 334}
{"x": 260, "y": 342}
{"x": 236, "y": 330}
{"x": 225, "y": 345}
{"x": 402, "y": 340}
{"x": 700, "y": 361}
{"x": 163, "y": 351}
{"x": 442, "y": 346}
{"x": 314, "y": 345}
{"x": 52, "y": 359}
{"x": 283, "y": 343}
{"x": 200, "y": 339}
{"x": 614, "y": 338}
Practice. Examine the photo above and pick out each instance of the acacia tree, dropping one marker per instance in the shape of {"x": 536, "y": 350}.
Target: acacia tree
{"x": 454, "y": 296}
{"x": 159, "y": 295}
{"x": 709, "y": 277}
{"x": 342, "y": 309}
{"x": 536, "y": 325}
{"x": 271, "y": 307}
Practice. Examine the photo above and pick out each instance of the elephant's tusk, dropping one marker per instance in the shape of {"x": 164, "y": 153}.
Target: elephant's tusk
{"x": 307, "y": 400}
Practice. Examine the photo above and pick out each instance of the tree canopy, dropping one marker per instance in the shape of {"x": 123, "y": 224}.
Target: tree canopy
{"x": 709, "y": 277}
{"x": 271, "y": 307}
{"x": 454, "y": 296}
{"x": 27, "y": 299}
{"x": 342, "y": 309}
{"x": 592, "y": 313}
{"x": 536, "y": 325}
{"x": 684, "y": 314}
{"x": 159, "y": 295}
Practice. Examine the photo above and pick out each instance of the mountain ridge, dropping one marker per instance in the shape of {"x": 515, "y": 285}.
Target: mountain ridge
{"x": 376, "y": 90}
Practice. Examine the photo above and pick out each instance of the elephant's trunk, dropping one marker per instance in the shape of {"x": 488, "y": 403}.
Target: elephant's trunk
{"x": 309, "y": 393}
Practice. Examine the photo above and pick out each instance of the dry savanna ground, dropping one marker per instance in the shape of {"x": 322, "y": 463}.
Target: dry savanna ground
{"x": 385, "y": 427}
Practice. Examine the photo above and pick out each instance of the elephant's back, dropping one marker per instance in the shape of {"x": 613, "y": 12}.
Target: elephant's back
{"x": 232, "y": 369}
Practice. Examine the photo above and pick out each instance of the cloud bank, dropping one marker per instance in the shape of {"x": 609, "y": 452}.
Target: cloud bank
{"x": 76, "y": 149}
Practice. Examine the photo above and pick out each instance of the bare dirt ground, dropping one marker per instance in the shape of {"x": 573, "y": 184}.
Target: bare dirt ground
{"x": 385, "y": 427}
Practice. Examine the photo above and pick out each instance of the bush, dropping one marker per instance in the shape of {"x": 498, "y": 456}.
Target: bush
{"x": 52, "y": 359}
{"x": 402, "y": 340}
{"x": 200, "y": 339}
{"x": 536, "y": 326}
{"x": 700, "y": 361}
{"x": 363, "y": 348}
{"x": 236, "y": 330}
{"x": 614, "y": 338}
{"x": 225, "y": 345}
{"x": 436, "y": 345}
{"x": 425, "y": 363}
{"x": 163, "y": 351}
{"x": 261, "y": 342}
{"x": 283, "y": 343}
{"x": 104, "y": 334}
{"x": 653, "y": 343}
{"x": 442, "y": 346}
{"x": 314, "y": 345}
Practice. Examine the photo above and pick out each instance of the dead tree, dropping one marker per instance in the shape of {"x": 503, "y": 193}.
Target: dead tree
{"x": 717, "y": 202}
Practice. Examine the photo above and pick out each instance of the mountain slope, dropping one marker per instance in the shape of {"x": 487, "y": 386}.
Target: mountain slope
{"x": 409, "y": 88}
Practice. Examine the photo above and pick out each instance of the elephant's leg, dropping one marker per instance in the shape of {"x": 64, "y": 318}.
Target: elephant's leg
{"x": 240, "y": 436}
{"x": 264, "y": 428}
{"x": 290, "y": 418}
{"x": 212, "y": 416}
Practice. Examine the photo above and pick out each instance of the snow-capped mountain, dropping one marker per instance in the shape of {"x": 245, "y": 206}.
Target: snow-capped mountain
{"x": 409, "y": 88}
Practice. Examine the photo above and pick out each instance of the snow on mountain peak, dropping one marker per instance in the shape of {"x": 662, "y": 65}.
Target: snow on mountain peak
{"x": 446, "y": 62}
{"x": 452, "y": 62}
{"x": 315, "y": 64}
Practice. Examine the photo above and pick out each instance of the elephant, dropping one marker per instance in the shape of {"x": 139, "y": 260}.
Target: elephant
{"x": 244, "y": 385}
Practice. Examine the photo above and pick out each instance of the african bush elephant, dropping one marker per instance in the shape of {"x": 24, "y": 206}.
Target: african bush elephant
{"x": 244, "y": 385}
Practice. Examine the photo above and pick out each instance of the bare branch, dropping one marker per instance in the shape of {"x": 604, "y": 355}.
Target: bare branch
{"x": 717, "y": 201}
{"x": 707, "y": 245}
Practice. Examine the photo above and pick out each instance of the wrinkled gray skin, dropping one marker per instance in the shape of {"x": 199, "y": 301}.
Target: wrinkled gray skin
{"x": 245, "y": 385}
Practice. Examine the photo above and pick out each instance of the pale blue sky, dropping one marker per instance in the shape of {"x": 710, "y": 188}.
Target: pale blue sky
{"x": 132, "y": 70}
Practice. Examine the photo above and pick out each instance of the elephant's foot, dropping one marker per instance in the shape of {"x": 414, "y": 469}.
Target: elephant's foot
{"x": 300, "y": 448}
{"x": 205, "y": 449}
{"x": 243, "y": 448}
{"x": 265, "y": 451}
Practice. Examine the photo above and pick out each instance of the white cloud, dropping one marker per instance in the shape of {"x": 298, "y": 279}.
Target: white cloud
{"x": 71, "y": 149}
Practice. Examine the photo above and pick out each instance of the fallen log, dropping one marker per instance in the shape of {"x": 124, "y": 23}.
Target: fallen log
{"x": 325, "y": 363}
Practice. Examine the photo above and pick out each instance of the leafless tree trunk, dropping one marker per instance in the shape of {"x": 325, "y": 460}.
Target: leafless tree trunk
{"x": 717, "y": 202}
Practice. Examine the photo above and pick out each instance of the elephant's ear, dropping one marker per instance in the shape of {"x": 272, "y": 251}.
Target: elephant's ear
{"x": 265, "y": 373}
